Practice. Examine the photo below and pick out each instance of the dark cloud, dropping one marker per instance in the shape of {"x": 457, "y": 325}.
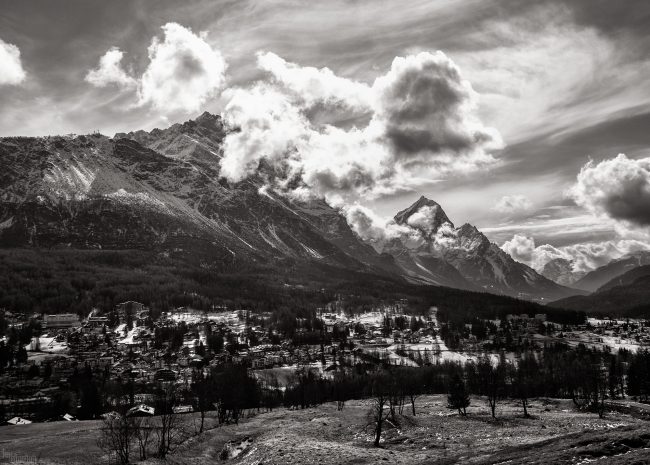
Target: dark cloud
{"x": 618, "y": 188}
{"x": 426, "y": 106}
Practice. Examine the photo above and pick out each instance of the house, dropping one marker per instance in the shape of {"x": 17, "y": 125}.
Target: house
{"x": 140, "y": 410}
{"x": 63, "y": 320}
{"x": 19, "y": 421}
{"x": 182, "y": 409}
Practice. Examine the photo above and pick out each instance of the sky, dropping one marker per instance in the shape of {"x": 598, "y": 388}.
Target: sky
{"x": 512, "y": 115}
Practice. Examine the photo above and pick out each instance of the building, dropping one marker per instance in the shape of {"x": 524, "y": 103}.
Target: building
{"x": 63, "y": 320}
{"x": 130, "y": 308}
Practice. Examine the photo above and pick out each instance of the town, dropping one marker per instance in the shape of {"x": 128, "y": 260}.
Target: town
{"x": 46, "y": 361}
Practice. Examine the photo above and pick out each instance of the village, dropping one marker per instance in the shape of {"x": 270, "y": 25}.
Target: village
{"x": 129, "y": 348}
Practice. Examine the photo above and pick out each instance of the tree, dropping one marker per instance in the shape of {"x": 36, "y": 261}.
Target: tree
{"x": 524, "y": 378}
{"x": 116, "y": 436}
{"x": 492, "y": 381}
{"x": 143, "y": 429}
{"x": 168, "y": 428}
{"x": 458, "y": 397}
{"x": 202, "y": 397}
{"x": 380, "y": 398}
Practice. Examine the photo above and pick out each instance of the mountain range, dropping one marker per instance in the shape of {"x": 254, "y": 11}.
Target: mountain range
{"x": 161, "y": 191}
{"x": 627, "y": 295}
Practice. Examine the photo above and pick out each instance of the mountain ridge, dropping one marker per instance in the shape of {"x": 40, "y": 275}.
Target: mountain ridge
{"x": 161, "y": 190}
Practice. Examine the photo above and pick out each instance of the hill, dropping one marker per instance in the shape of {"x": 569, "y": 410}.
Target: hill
{"x": 597, "y": 278}
{"x": 556, "y": 433}
{"x": 625, "y": 296}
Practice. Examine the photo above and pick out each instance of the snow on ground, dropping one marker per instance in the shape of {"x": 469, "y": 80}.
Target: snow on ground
{"x": 129, "y": 336}
{"x": 617, "y": 343}
{"x": 49, "y": 344}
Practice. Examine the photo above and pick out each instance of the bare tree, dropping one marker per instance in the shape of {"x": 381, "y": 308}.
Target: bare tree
{"x": 203, "y": 398}
{"x": 380, "y": 398}
{"x": 143, "y": 432}
{"x": 168, "y": 429}
{"x": 116, "y": 436}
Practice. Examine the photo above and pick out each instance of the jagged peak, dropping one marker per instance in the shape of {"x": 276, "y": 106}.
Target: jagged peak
{"x": 207, "y": 116}
{"x": 437, "y": 215}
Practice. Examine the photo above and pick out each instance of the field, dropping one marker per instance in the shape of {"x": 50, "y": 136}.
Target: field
{"x": 555, "y": 434}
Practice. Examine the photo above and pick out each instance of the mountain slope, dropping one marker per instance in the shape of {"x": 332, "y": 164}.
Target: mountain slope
{"x": 560, "y": 270}
{"x": 600, "y": 276}
{"x": 626, "y": 296}
{"x": 627, "y": 278}
{"x": 481, "y": 264}
{"x": 94, "y": 192}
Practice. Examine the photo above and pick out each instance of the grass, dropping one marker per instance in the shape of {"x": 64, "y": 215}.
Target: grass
{"x": 556, "y": 434}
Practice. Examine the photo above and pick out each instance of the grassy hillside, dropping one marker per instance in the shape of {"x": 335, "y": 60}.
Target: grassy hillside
{"x": 556, "y": 434}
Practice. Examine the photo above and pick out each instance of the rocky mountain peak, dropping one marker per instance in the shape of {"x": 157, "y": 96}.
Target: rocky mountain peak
{"x": 425, "y": 215}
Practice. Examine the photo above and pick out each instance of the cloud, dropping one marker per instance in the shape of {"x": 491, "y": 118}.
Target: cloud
{"x": 512, "y": 204}
{"x": 424, "y": 105}
{"x": 269, "y": 126}
{"x": 371, "y": 228}
{"x": 520, "y": 248}
{"x": 422, "y": 126}
{"x": 315, "y": 86}
{"x": 618, "y": 188}
{"x": 183, "y": 72}
{"x": 110, "y": 71}
{"x": 584, "y": 257}
{"x": 11, "y": 67}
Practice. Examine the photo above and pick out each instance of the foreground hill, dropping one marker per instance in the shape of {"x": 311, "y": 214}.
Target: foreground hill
{"x": 556, "y": 434}
{"x": 626, "y": 296}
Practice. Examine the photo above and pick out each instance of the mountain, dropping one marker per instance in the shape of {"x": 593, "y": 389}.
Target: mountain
{"x": 161, "y": 191}
{"x": 561, "y": 271}
{"x": 600, "y": 276}
{"x": 627, "y": 295}
{"x": 627, "y": 278}
{"x": 441, "y": 248}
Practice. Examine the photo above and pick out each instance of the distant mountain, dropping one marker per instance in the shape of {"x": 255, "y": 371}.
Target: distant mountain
{"x": 600, "y": 276}
{"x": 626, "y": 296}
{"x": 478, "y": 263}
{"x": 561, "y": 271}
{"x": 627, "y": 278}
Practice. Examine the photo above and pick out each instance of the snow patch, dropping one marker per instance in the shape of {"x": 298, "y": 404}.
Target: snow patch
{"x": 311, "y": 251}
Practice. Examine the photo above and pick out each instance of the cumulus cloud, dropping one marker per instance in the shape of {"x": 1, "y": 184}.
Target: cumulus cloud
{"x": 315, "y": 86}
{"x": 11, "y": 67}
{"x": 513, "y": 204}
{"x": 110, "y": 71}
{"x": 424, "y": 105}
{"x": 183, "y": 72}
{"x": 268, "y": 126}
{"x": 584, "y": 257}
{"x": 422, "y": 126}
{"x": 618, "y": 188}
{"x": 376, "y": 230}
